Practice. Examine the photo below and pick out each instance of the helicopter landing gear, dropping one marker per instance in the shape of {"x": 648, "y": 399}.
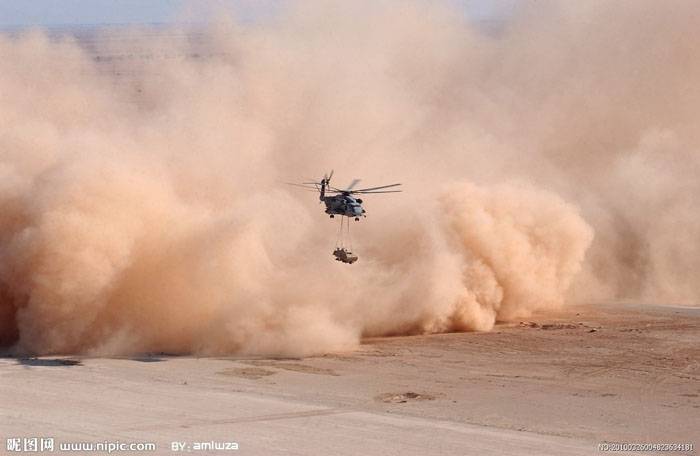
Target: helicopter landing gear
{"x": 332, "y": 216}
{"x": 357, "y": 219}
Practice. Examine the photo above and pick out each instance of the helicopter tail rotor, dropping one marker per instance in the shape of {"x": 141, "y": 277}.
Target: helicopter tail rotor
{"x": 327, "y": 178}
{"x": 324, "y": 184}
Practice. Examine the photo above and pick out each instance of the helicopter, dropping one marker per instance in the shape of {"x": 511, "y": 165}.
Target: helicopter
{"x": 343, "y": 202}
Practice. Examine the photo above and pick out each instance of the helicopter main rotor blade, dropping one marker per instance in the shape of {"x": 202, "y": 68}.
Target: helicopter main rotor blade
{"x": 380, "y": 191}
{"x": 309, "y": 187}
{"x": 376, "y": 188}
{"x": 352, "y": 184}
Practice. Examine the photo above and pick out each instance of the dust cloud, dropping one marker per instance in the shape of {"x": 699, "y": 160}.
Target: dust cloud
{"x": 142, "y": 210}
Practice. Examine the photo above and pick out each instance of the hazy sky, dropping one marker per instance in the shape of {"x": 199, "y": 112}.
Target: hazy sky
{"x": 18, "y": 13}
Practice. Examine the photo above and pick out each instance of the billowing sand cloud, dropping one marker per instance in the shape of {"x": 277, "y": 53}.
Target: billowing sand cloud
{"x": 141, "y": 209}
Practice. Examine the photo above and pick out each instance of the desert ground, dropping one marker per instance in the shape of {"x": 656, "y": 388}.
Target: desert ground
{"x": 552, "y": 384}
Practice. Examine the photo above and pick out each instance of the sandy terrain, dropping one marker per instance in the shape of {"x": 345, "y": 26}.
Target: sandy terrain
{"x": 550, "y": 385}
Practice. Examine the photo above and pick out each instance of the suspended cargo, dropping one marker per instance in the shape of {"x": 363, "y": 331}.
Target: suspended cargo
{"x": 344, "y": 255}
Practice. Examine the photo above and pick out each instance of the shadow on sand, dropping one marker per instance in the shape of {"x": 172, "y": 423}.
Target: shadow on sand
{"x": 49, "y": 362}
{"x": 69, "y": 362}
{"x": 147, "y": 359}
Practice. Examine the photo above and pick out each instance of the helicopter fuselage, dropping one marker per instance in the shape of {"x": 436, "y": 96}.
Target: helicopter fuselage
{"x": 344, "y": 205}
